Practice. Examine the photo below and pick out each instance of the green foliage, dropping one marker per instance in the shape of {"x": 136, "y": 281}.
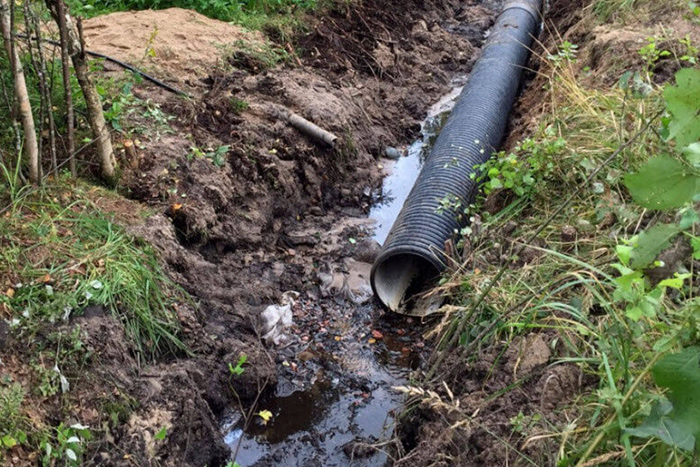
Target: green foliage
{"x": 68, "y": 444}
{"x": 663, "y": 183}
{"x": 651, "y": 242}
{"x": 238, "y": 105}
{"x": 121, "y": 104}
{"x": 226, "y": 10}
{"x": 162, "y": 433}
{"x": 255, "y": 56}
{"x": 694, "y": 11}
{"x": 77, "y": 258}
{"x": 522, "y": 171}
{"x": 651, "y": 53}
{"x": 216, "y": 156}
{"x": 12, "y": 421}
{"x": 634, "y": 291}
{"x": 683, "y": 102}
{"x": 604, "y": 9}
{"x": 676, "y": 420}
{"x": 238, "y": 369}
{"x": 566, "y": 52}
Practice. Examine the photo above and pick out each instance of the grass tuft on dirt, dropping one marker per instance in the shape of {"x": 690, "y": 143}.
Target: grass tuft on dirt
{"x": 61, "y": 254}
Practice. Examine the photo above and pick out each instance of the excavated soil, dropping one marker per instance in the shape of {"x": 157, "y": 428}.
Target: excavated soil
{"x": 284, "y": 213}
{"x": 179, "y": 45}
{"x": 247, "y": 209}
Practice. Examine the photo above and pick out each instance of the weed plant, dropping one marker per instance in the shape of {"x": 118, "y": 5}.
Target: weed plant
{"x": 593, "y": 278}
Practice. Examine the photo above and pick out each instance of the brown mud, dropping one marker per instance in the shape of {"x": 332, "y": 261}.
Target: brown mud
{"x": 276, "y": 212}
{"x": 247, "y": 209}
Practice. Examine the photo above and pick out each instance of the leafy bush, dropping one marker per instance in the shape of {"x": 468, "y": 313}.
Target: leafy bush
{"x": 225, "y": 10}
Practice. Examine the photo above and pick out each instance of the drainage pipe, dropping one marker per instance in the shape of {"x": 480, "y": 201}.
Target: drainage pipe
{"x": 413, "y": 253}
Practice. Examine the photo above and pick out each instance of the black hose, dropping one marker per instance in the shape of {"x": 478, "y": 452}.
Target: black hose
{"x": 413, "y": 253}
{"x": 131, "y": 68}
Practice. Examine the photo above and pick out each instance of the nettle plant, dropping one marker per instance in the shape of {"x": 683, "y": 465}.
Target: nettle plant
{"x": 523, "y": 169}
{"x": 671, "y": 183}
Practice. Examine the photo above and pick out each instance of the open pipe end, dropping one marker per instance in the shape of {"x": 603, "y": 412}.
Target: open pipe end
{"x": 397, "y": 277}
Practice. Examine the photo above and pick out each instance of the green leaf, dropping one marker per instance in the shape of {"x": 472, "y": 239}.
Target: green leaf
{"x": 683, "y": 102}
{"x": 8, "y": 441}
{"x": 695, "y": 243}
{"x": 676, "y": 282}
{"x": 676, "y": 421}
{"x": 624, "y": 253}
{"x": 160, "y": 436}
{"x": 238, "y": 369}
{"x": 689, "y": 218}
{"x": 634, "y": 313}
{"x": 663, "y": 183}
{"x": 692, "y": 154}
{"x": 651, "y": 242}
{"x": 660, "y": 425}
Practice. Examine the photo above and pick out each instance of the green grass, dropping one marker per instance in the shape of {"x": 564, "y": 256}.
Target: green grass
{"x": 575, "y": 287}
{"x": 281, "y": 15}
{"x": 62, "y": 254}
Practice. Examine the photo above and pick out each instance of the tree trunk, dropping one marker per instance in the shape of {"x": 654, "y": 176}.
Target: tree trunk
{"x": 31, "y": 148}
{"x": 39, "y": 62}
{"x": 76, "y": 50}
{"x": 65, "y": 66}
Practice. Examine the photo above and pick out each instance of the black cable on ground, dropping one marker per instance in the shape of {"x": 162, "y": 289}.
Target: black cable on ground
{"x": 131, "y": 68}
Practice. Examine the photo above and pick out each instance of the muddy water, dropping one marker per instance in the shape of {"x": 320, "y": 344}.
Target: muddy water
{"x": 335, "y": 391}
{"x": 334, "y": 403}
{"x": 402, "y": 173}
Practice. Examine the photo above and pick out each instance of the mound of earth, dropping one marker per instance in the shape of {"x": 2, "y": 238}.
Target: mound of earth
{"x": 181, "y": 45}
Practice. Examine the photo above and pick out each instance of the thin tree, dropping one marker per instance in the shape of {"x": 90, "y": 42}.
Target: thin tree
{"x": 31, "y": 148}
{"x": 39, "y": 63}
{"x": 65, "y": 67}
{"x": 76, "y": 50}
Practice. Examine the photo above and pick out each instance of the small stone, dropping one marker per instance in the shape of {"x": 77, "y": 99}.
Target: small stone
{"x": 392, "y": 153}
{"x": 568, "y": 234}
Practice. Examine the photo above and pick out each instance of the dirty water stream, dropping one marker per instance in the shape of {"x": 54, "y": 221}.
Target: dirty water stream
{"x": 334, "y": 403}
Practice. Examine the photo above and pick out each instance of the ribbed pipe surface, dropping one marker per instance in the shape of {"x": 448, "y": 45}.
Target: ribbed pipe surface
{"x": 414, "y": 250}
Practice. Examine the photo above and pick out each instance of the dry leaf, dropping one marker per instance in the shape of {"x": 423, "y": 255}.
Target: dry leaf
{"x": 266, "y": 416}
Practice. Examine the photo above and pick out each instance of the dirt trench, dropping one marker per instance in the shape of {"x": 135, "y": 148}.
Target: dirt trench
{"x": 278, "y": 212}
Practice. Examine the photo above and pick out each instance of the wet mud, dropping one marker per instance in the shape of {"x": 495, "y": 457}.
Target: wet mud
{"x": 283, "y": 216}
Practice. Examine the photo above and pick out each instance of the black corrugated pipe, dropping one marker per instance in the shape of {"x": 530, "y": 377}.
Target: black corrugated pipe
{"x": 413, "y": 254}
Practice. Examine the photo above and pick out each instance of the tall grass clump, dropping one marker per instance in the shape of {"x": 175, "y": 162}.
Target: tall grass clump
{"x": 62, "y": 254}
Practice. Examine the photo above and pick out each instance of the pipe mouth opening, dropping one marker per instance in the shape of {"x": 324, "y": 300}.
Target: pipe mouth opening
{"x": 398, "y": 278}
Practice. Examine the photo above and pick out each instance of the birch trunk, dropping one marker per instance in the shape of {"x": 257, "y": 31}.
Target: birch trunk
{"x": 31, "y": 148}
{"x": 100, "y": 132}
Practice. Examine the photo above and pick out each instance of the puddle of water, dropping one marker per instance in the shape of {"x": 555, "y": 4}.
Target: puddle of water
{"x": 339, "y": 391}
{"x": 403, "y": 173}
